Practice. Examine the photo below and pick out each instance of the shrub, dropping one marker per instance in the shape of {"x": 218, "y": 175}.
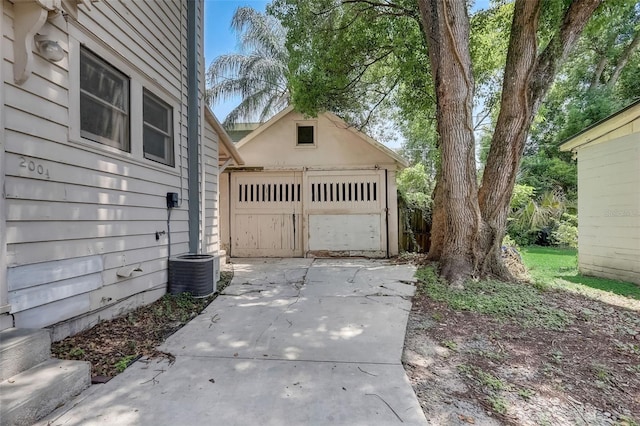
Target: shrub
{"x": 415, "y": 186}
{"x": 566, "y": 233}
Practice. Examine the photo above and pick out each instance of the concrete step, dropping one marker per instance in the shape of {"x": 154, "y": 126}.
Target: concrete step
{"x": 21, "y": 349}
{"x": 32, "y": 394}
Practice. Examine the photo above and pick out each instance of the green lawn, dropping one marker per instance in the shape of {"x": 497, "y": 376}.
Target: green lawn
{"x": 559, "y": 266}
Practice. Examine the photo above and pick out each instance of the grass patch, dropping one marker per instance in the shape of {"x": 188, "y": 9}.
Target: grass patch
{"x": 489, "y": 385}
{"x": 509, "y": 301}
{"x": 558, "y": 267}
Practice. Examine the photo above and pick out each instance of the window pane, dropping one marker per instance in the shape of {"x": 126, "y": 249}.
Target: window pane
{"x": 104, "y": 102}
{"x": 154, "y": 143}
{"x": 305, "y": 134}
{"x": 101, "y": 80}
{"x": 158, "y": 129}
{"x": 155, "y": 113}
{"x": 97, "y": 119}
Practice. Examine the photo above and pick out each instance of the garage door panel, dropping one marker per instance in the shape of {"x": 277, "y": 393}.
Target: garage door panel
{"x": 246, "y": 235}
{"x": 356, "y": 232}
{"x": 346, "y": 212}
{"x": 265, "y": 217}
{"x": 276, "y": 232}
{"x": 358, "y": 192}
{"x": 280, "y": 213}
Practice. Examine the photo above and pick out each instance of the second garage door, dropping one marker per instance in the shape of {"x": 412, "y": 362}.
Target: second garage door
{"x": 346, "y": 212}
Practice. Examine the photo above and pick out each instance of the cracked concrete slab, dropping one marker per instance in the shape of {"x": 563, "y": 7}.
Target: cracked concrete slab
{"x": 220, "y": 391}
{"x": 283, "y": 345}
{"x": 268, "y": 277}
{"x": 363, "y": 329}
{"x": 338, "y": 277}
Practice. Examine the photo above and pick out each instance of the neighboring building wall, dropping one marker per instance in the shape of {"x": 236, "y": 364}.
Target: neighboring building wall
{"x": 79, "y": 213}
{"x": 609, "y": 205}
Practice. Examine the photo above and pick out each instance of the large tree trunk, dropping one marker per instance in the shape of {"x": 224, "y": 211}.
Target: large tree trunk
{"x": 469, "y": 223}
{"x": 509, "y": 137}
{"x": 457, "y": 213}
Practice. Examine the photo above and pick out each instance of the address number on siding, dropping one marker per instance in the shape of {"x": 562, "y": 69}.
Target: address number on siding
{"x": 34, "y": 167}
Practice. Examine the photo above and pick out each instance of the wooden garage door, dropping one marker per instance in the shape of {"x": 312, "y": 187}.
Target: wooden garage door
{"x": 346, "y": 212}
{"x": 266, "y": 214}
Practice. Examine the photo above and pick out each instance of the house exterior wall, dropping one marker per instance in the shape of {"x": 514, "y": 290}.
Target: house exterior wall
{"x": 79, "y": 213}
{"x": 609, "y": 204}
{"x": 6, "y": 321}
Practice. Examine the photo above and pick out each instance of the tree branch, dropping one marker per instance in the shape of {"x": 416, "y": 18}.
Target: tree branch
{"x": 405, "y": 11}
{"x": 377, "y": 104}
{"x": 624, "y": 58}
{"x": 597, "y": 75}
{"x": 556, "y": 51}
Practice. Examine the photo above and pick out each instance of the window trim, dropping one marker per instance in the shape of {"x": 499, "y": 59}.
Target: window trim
{"x": 138, "y": 80}
{"x": 125, "y": 146}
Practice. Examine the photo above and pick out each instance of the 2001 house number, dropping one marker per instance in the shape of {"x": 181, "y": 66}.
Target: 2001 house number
{"x": 34, "y": 167}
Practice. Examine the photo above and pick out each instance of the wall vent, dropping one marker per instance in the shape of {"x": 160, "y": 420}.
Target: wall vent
{"x": 192, "y": 273}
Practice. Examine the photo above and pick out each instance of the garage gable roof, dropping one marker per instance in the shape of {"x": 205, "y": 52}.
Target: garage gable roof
{"x": 226, "y": 149}
{"x": 339, "y": 122}
{"x": 604, "y": 127}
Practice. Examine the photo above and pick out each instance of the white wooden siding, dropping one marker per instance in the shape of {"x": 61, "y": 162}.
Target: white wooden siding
{"x": 6, "y": 321}
{"x": 211, "y": 236}
{"x": 68, "y": 201}
{"x": 609, "y": 208}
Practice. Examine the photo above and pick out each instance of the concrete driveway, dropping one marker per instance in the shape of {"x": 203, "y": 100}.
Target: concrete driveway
{"x": 289, "y": 342}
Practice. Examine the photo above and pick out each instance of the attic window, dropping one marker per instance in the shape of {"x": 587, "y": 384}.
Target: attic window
{"x": 306, "y": 135}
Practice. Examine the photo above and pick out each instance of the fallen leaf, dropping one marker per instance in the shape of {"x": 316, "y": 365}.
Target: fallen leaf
{"x": 467, "y": 419}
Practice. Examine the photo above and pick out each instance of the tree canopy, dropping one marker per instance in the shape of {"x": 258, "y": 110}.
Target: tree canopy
{"x": 435, "y": 62}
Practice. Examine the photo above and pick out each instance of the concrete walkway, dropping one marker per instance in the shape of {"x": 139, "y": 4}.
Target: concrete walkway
{"x": 289, "y": 342}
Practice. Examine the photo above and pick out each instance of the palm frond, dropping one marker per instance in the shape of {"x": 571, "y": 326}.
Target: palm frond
{"x": 259, "y": 74}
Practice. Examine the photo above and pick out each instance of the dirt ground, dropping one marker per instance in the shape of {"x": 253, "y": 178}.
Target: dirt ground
{"x": 111, "y": 346}
{"x": 470, "y": 368}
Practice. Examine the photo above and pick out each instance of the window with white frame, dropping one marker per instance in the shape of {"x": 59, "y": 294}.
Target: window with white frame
{"x": 158, "y": 130}
{"x": 104, "y": 102}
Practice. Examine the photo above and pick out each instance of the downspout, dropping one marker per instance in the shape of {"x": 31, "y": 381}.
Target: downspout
{"x": 192, "y": 124}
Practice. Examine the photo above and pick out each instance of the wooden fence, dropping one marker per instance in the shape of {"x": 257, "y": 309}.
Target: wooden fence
{"x": 414, "y": 229}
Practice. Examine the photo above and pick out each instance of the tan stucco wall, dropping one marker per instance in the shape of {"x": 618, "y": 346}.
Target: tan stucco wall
{"x": 335, "y": 146}
{"x": 609, "y": 205}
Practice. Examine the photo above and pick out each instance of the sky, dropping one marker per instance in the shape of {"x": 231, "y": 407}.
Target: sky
{"x": 220, "y": 39}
